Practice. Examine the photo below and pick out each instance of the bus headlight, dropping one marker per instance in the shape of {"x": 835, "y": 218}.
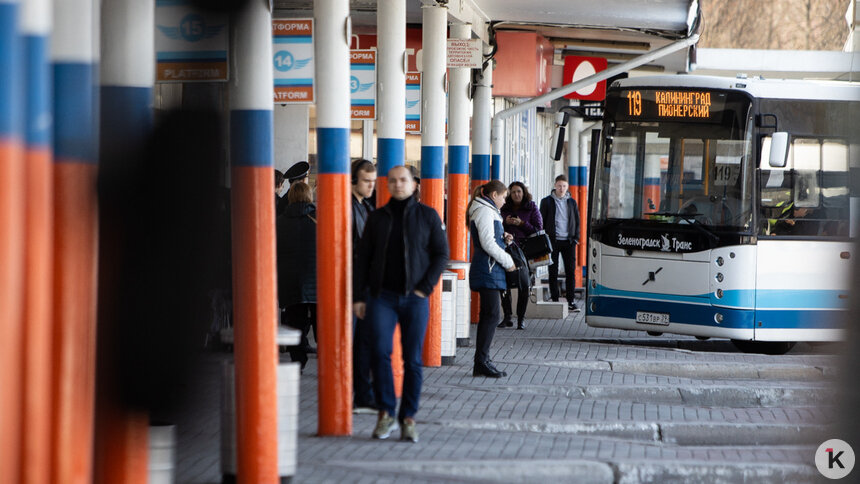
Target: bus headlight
{"x": 719, "y": 277}
{"x": 593, "y": 284}
{"x": 592, "y": 306}
{"x": 720, "y": 261}
{"x": 718, "y": 318}
{"x": 719, "y": 293}
{"x": 594, "y": 268}
{"x": 594, "y": 252}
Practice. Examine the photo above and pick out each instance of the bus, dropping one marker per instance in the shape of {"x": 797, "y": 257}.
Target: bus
{"x": 722, "y": 208}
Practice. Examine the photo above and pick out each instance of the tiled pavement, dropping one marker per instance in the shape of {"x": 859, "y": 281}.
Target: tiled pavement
{"x": 579, "y": 405}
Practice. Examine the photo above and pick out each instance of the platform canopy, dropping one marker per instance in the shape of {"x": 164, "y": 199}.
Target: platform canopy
{"x": 616, "y": 29}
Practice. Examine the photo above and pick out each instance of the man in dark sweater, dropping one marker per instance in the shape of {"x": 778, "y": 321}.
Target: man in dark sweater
{"x": 401, "y": 256}
{"x": 560, "y": 216}
{"x": 363, "y": 184}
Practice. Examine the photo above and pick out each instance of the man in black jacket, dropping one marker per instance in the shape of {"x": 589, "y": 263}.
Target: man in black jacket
{"x": 401, "y": 256}
{"x": 363, "y": 183}
{"x": 561, "y": 221}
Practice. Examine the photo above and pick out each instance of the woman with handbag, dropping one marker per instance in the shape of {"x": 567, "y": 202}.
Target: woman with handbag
{"x": 489, "y": 263}
{"x": 521, "y": 219}
{"x": 297, "y": 265}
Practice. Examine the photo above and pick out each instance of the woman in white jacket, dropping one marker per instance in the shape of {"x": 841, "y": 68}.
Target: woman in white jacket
{"x": 487, "y": 272}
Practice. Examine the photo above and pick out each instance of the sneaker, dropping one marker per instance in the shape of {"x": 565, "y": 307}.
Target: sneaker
{"x": 384, "y": 426}
{"x": 407, "y": 430}
{"x": 572, "y": 307}
{"x": 364, "y": 410}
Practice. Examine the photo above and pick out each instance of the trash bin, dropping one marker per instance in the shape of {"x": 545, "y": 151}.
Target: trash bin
{"x": 162, "y": 453}
{"x": 449, "y": 309}
{"x": 464, "y": 303}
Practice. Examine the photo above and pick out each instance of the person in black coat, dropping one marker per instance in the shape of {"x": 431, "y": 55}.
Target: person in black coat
{"x": 560, "y": 216}
{"x": 363, "y": 184}
{"x": 401, "y": 257}
{"x": 297, "y": 265}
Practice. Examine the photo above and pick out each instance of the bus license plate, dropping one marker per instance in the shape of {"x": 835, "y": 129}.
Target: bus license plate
{"x": 652, "y": 318}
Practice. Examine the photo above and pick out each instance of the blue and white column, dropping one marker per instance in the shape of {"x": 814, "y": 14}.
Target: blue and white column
{"x": 434, "y": 43}
{"x": 391, "y": 91}
{"x": 334, "y": 229}
{"x": 482, "y": 116}
{"x": 254, "y": 277}
{"x": 74, "y": 50}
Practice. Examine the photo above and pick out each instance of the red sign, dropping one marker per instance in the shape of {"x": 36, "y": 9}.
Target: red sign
{"x": 578, "y": 67}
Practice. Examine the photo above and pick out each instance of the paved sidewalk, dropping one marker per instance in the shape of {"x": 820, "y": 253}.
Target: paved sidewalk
{"x": 579, "y": 405}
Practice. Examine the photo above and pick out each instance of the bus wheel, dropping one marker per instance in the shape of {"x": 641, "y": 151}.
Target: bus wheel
{"x": 703, "y": 338}
{"x": 764, "y": 347}
{"x": 655, "y": 333}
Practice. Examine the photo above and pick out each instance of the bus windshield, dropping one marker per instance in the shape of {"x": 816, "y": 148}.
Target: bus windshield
{"x": 674, "y": 156}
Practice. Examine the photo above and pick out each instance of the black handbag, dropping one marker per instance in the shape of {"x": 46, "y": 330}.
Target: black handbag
{"x": 537, "y": 249}
{"x": 518, "y": 279}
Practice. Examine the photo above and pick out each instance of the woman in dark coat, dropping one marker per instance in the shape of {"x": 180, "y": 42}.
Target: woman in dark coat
{"x": 297, "y": 265}
{"x": 521, "y": 219}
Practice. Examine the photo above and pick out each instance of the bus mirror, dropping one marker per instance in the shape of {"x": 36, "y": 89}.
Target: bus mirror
{"x": 778, "y": 149}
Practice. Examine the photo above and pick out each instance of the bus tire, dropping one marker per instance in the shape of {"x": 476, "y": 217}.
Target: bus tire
{"x": 764, "y": 347}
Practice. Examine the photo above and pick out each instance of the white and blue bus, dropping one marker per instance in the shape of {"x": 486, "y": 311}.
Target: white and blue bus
{"x": 722, "y": 208}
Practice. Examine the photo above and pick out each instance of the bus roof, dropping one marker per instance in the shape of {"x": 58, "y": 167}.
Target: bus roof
{"x": 756, "y": 87}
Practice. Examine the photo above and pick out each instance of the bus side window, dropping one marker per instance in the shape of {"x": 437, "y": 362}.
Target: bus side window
{"x": 813, "y": 187}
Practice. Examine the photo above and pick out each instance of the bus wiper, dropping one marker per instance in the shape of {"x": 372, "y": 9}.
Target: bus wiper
{"x": 690, "y": 217}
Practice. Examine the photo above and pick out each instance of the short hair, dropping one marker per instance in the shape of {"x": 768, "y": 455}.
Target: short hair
{"x": 361, "y": 164}
{"x": 279, "y": 178}
{"x": 299, "y": 192}
{"x": 561, "y": 178}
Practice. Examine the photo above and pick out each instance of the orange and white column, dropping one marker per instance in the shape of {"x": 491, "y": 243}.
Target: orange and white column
{"x": 334, "y": 209}
{"x": 254, "y": 275}
{"x": 434, "y": 44}
{"x": 12, "y": 234}
{"x": 75, "y": 69}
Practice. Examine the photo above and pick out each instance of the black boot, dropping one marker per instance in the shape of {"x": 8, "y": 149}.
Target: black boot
{"x": 521, "y": 324}
{"x": 482, "y": 369}
{"x": 506, "y": 323}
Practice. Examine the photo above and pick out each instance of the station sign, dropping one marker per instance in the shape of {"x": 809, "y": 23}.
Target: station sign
{"x": 190, "y": 43}
{"x": 413, "y": 102}
{"x": 465, "y": 53}
{"x": 362, "y": 84}
{"x": 293, "y": 60}
{"x": 579, "y": 67}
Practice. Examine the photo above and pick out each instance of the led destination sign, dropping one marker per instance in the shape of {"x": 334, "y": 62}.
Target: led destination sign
{"x": 671, "y": 104}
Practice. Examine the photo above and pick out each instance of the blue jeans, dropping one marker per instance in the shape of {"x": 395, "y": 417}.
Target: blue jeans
{"x": 383, "y": 313}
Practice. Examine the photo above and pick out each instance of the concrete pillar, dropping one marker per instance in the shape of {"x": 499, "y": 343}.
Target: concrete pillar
{"x": 334, "y": 232}
{"x": 391, "y": 93}
{"x": 254, "y": 278}
{"x": 75, "y": 60}
{"x": 128, "y": 37}
{"x": 434, "y": 44}
{"x": 458, "y": 150}
{"x": 11, "y": 235}
{"x": 35, "y": 442}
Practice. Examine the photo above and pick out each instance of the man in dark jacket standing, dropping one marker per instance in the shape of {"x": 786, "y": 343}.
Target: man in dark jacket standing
{"x": 561, "y": 222}
{"x": 363, "y": 183}
{"x": 400, "y": 259}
